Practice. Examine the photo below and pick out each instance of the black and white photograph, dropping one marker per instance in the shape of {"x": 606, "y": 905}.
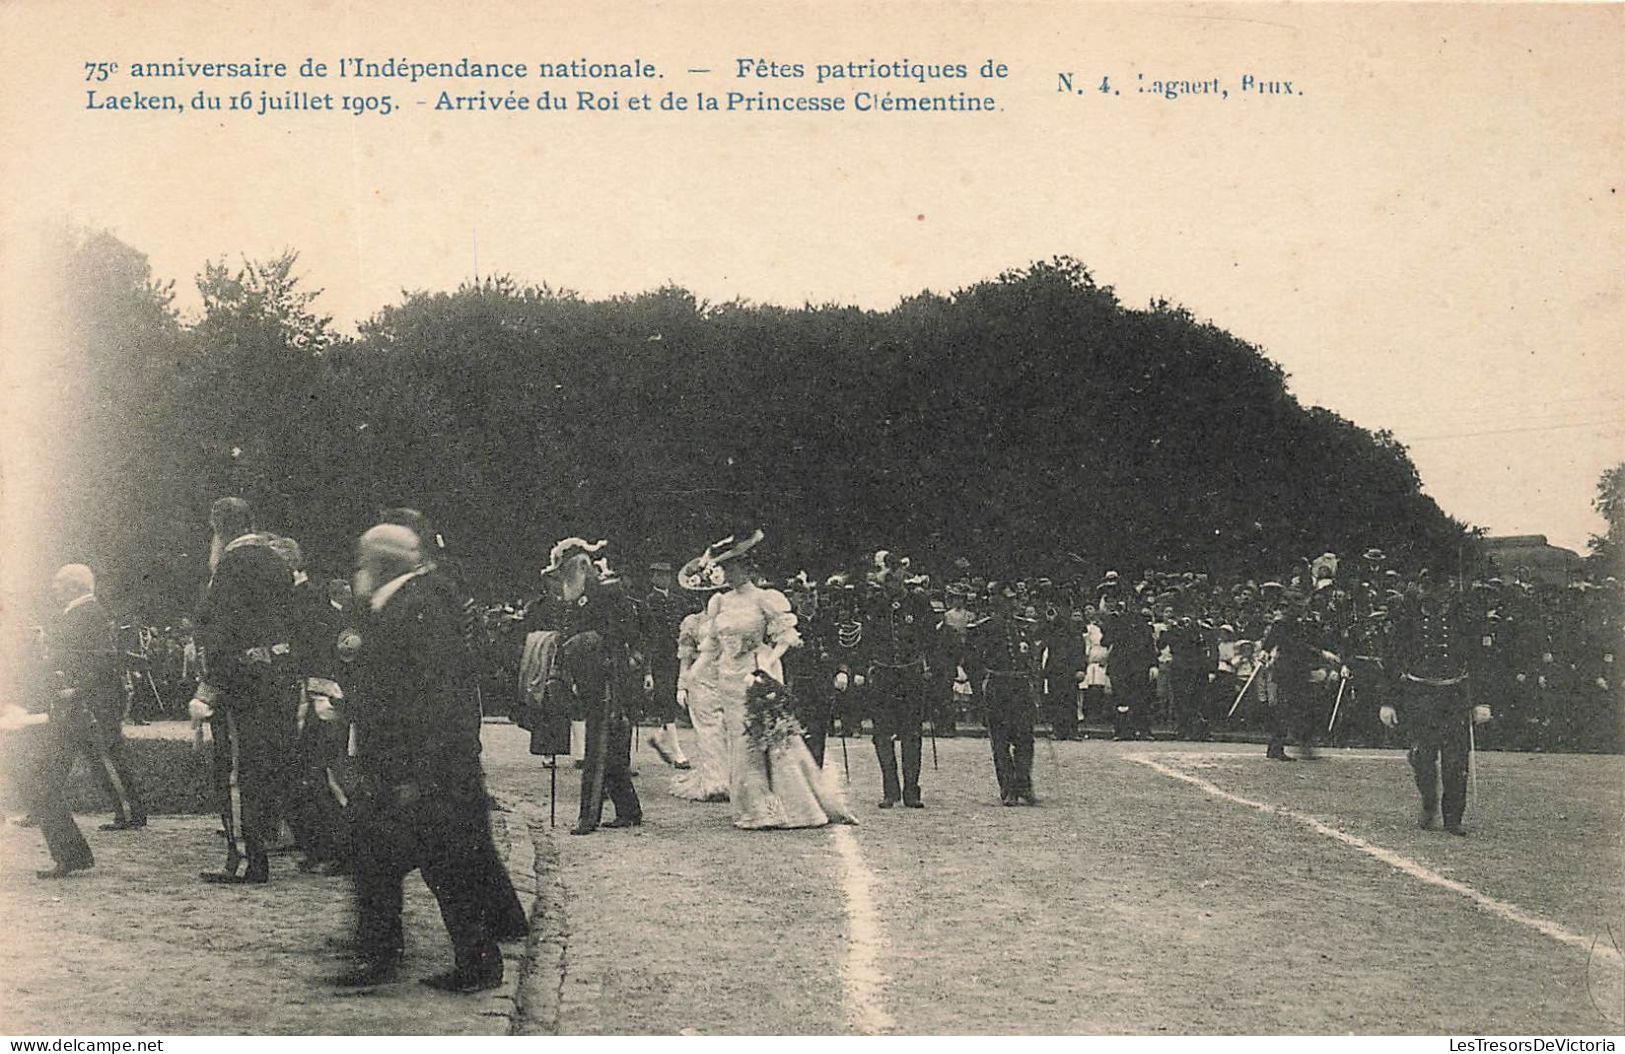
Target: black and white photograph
{"x": 922, "y": 519}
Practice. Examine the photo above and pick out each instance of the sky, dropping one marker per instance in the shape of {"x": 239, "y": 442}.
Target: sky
{"x": 1426, "y": 234}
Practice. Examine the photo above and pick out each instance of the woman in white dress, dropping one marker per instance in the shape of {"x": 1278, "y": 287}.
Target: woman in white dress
{"x": 708, "y": 779}
{"x": 773, "y": 782}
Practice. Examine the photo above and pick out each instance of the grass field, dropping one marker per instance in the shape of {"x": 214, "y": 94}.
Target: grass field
{"x": 1129, "y": 901}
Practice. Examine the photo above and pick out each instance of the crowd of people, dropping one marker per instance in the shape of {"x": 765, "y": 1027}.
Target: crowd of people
{"x": 349, "y": 710}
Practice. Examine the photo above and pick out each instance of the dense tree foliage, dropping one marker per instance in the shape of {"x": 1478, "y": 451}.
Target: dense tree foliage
{"x": 1030, "y": 419}
{"x": 1607, "y": 547}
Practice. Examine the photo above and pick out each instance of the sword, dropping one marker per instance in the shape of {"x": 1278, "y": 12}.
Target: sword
{"x": 925, "y": 673}
{"x": 1344, "y": 683}
{"x": 845, "y": 763}
{"x": 1256, "y": 671}
{"x": 553, "y": 791}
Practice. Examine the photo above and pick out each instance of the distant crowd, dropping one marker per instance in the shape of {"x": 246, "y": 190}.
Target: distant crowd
{"x": 1544, "y": 660}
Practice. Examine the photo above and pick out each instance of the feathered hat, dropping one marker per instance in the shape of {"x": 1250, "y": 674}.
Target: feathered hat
{"x": 569, "y": 547}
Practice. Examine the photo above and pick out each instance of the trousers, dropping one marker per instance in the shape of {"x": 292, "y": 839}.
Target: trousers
{"x": 608, "y": 771}
{"x": 1439, "y": 725}
{"x": 438, "y": 834}
{"x": 1009, "y": 702}
{"x": 898, "y": 702}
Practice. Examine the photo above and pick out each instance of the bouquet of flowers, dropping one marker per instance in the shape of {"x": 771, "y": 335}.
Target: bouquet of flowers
{"x": 769, "y": 718}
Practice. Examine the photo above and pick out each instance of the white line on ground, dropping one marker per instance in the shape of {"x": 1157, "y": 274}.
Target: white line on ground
{"x": 1401, "y": 863}
{"x": 863, "y": 978}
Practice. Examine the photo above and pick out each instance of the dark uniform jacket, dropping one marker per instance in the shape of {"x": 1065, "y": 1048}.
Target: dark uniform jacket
{"x": 1002, "y": 644}
{"x": 1430, "y": 641}
{"x": 83, "y": 654}
{"x": 246, "y": 610}
{"x": 898, "y": 627}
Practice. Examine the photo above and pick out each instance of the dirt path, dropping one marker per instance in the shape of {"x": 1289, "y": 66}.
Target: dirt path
{"x": 139, "y": 946}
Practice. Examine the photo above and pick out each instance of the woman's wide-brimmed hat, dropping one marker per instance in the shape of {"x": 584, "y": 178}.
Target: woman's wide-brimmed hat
{"x": 705, "y": 571}
{"x": 700, "y": 575}
{"x": 733, "y": 547}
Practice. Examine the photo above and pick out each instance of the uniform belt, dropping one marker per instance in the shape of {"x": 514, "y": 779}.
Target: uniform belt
{"x": 899, "y": 665}
{"x": 1009, "y": 673}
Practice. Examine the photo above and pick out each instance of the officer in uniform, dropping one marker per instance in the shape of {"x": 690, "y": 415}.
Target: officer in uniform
{"x": 1002, "y": 655}
{"x": 243, "y": 626}
{"x": 663, "y": 612}
{"x": 1366, "y": 648}
{"x": 804, "y": 668}
{"x": 1296, "y": 656}
{"x": 1434, "y": 705}
{"x": 87, "y": 664}
{"x": 847, "y": 654}
{"x": 1063, "y": 660}
{"x": 899, "y": 624}
{"x": 1132, "y": 654}
{"x": 597, "y": 674}
{"x": 1187, "y": 676}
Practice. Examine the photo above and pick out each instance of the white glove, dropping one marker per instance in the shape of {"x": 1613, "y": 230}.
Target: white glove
{"x": 841, "y": 681}
{"x": 648, "y": 682}
{"x": 858, "y": 681}
{"x": 1602, "y": 682}
{"x": 1522, "y": 678}
{"x": 199, "y": 710}
{"x": 324, "y": 708}
{"x": 682, "y": 697}
{"x": 13, "y": 718}
{"x": 1344, "y": 673}
{"x": 1481, "y": 713}
{"x": 1388, "y": 717}
{"x": 1542, "y": 680}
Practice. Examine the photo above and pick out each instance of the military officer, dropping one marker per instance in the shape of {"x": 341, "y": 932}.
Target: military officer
{"x": 663, "y": 612}
{"x": 1434, "y": 705}
{"x": 1003, "y": 662}
{"x": 899, "y": 623}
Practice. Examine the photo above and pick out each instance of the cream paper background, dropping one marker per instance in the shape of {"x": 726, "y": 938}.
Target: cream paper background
{"x": 1428, "y": 239}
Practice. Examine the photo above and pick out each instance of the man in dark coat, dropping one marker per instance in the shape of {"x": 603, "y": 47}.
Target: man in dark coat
{"x": 243, "y": 627}
{"x": 421, "y": 793}
{"x": 1133, "y": 653}
{"x": 87, "y": 665}
{"x": 597, "y": 676}
{"x": 663, "y": 612}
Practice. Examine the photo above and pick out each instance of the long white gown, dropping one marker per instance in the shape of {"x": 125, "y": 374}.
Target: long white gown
{"x": 782, "y": 786}
{"x": 709, "y": 753}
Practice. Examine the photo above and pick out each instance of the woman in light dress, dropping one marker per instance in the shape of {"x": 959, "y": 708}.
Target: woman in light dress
{"x": 774, "y": 784}
{"x": 708, "y": 779}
